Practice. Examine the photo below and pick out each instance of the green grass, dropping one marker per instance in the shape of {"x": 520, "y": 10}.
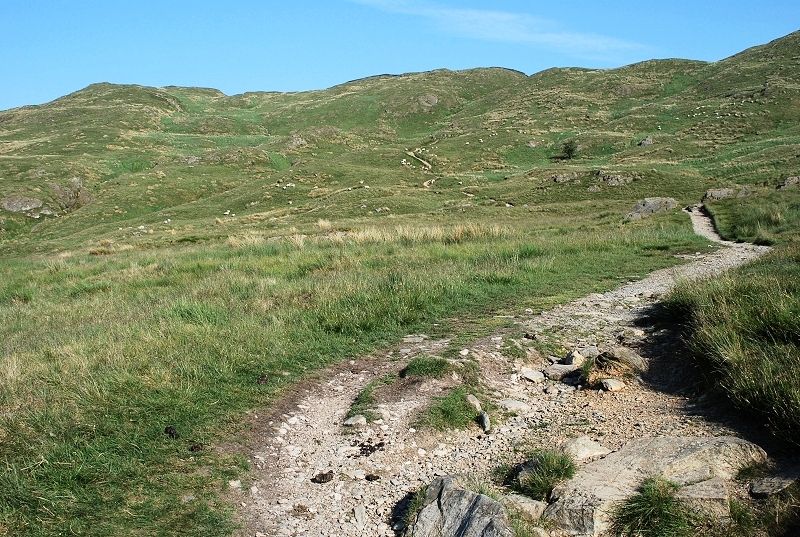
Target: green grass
{"x": 761, "y": 219}
{"x": 266, "y": 236}
{"x": 654, "y": 511}
{"x": 450, "y": 411}
{"x": 364, "y": 403}
{"x": 426, "y": 366}
{"x": 542, "y": 471}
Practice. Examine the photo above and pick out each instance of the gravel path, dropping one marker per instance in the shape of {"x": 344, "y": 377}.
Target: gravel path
{"x": 375, "y": 467}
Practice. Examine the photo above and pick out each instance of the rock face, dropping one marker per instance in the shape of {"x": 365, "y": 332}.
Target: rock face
{"x": 650, "y": 206}
{"x": 582, "y": 505}
{"x": 449, "y": 509}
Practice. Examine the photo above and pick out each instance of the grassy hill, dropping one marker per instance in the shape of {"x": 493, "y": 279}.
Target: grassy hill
{"x": 187, "y": 244}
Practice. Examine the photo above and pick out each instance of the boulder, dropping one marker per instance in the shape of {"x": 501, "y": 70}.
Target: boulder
{"x": 589, "y": 352}
{"x": 574, "y": 357}
{"x": 20, "y": 204}
{"x": 770, "y": 486}
{"x": 614, "y": 179}
{"x": 449, "y": 509}
{"x": 646, "y": 141}
{"x": 789, "y": 182}
{"x": 474, "y": 402}
{"x": 649, "y": 206}
{"x": 624, "y": 356}
{"x": 582, "y": 505}
{"x": 719, "y": 194}
{"x": 485, "y": 422}
{"x": 560, "y": 371}
{"x": 584, "y": 448}
{"x": 564, "y": 177}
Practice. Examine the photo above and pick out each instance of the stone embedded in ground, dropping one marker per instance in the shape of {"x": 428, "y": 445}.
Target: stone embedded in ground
{"x": 709, "y": 497}
{"x": 719, "y": 194}
{"x": 360, "y": 516}
{"x": 574, "y": 357}
{"x": 560, "y": 371}
{"x": 770, "y": 486}
{"x": 584, "y": 448}
{"x": 356, "y": 421}
{"x": 415, "y": 338}
{"x": 531, "y": 375}
{"x": 323, "y": 477}
{"x": 789, "y": 182}
{"x": 530, "y": 508}
{"x": 589, "y": 352}
{"x": 582, "y": 505}
{"x": 624, "y": 356}
{"x": 612, "y": 385}
{"x": 474, "y": 402}
{"x": 20, "y": 204}
{"x": 513, "y": 405}
{"x": 449, "y": 509}
{"x": 646, "y": 141}
{"x": 650, "y": 206}
{"x": 485, "y": 422}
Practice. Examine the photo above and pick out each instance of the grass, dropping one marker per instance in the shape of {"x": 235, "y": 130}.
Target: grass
{"x": 543, "y": 470}
{"x": 265, "y": 236}
{"x": 450, "y": 411}
{"x": 426, "y": 366}
{"x": 364, "y": 403}
{"x": 654, "y": 511}
{"x": 743, "y": 330}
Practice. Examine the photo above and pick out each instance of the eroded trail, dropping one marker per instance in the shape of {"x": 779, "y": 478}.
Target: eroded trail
{"x": 376, "y": 466}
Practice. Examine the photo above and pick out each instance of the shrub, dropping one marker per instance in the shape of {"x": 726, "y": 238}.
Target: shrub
{"x": 570, "y": 149}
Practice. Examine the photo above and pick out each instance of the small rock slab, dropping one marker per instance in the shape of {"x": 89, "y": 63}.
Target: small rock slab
{"x": 530, "y": 508}
{"x": 770, "y": 486}
{"x": 513, "y": 405}
{"x": 612, "y": 385}
{"x": 474, "y": 402}
{"x": 710, "y": 497}
{"x": 531, "y": 375}
{"x": 582, "y": 505}
{"x": 560, "y": 371}
{"x": 449, "y": 509}
{"x": 356, "y": 421}
{"x": 574, "y": 357}
{"x": 584, "y": 448}
{"x": 485, "y": 422}
{"x": 624, "y": 356}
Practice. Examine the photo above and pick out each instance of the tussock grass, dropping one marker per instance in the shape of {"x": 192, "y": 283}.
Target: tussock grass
{"x": 426, "y": 366}
{"x": 744, "y": 331}
{"x": 450, "y": 411}
{"x": 654, "y": 511}
{"x": 544, "y": 469}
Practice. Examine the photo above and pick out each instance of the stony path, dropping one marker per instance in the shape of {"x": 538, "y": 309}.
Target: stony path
{"x": 376, "y": 466}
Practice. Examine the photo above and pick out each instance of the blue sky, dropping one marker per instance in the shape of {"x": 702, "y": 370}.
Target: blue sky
{"x": 49, "y": 47}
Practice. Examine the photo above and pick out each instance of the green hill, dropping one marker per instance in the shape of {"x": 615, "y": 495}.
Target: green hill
{"x": 162, "y": 249}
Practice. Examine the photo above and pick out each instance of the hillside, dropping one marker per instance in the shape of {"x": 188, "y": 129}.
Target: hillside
{"x": 177, "y": 257}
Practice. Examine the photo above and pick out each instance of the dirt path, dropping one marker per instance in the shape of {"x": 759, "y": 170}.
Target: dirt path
{"x": 377, "y": 466}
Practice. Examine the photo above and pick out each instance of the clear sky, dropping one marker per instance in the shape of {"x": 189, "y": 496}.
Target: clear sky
{"x": 52, "y": 47}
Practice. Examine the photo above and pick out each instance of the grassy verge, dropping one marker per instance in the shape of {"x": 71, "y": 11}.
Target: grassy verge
{"x": 654, "y": 511}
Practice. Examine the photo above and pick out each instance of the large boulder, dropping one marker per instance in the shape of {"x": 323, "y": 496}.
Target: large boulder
{"x": 582, "y": 506}
{"x": 20, "y": 204}
{"x": 449, "y": 509}
{"x": 650, "y": 206}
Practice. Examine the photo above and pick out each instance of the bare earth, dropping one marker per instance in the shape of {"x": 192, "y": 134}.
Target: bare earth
{"x": 303, "y": 436}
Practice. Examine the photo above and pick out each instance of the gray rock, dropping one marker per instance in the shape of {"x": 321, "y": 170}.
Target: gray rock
{"x": 789, "y": 182}
{"x": 20, "y": 204}
{"x": 615, "y": 179}
{"x": 647, "y": 141}
{"x": 612, "y": 385}
{"x": 356, "y": 421}
{"x": 584, "y": 448}
{"x": 474, "y": 402}
{"x": 624, "y": 356}
{"x": 710, "y": 497}
{"x": 449, "y": 509}
{"x": 574, "y": 357}
{"x": 530, "y": 508}
{"x": 770, "y": 486}
{"x": 719, "y": 194}
{"x": 531, "y": 375}
{"x": 563, "y": 177}
{"x": 560, "y": 371}
{"x": 590, "y": 352}
{"x": 512, "y": 405}
{"x": 485, "y": 422}
{"x": 581, "y": 506}
{"x": 650, "y": 206}
{"x": 360, "y": 516}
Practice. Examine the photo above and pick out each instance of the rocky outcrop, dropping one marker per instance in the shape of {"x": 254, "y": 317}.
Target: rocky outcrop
{"x": 702, "y": 466}
{"x": 646, "y": 141}
{"x": 650, "y": 206}
{"x": 714, "y": 194}
{"x": 789, "y": 182}
{"x": 20, "y": 204}
{"x": 449, "y": 509}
